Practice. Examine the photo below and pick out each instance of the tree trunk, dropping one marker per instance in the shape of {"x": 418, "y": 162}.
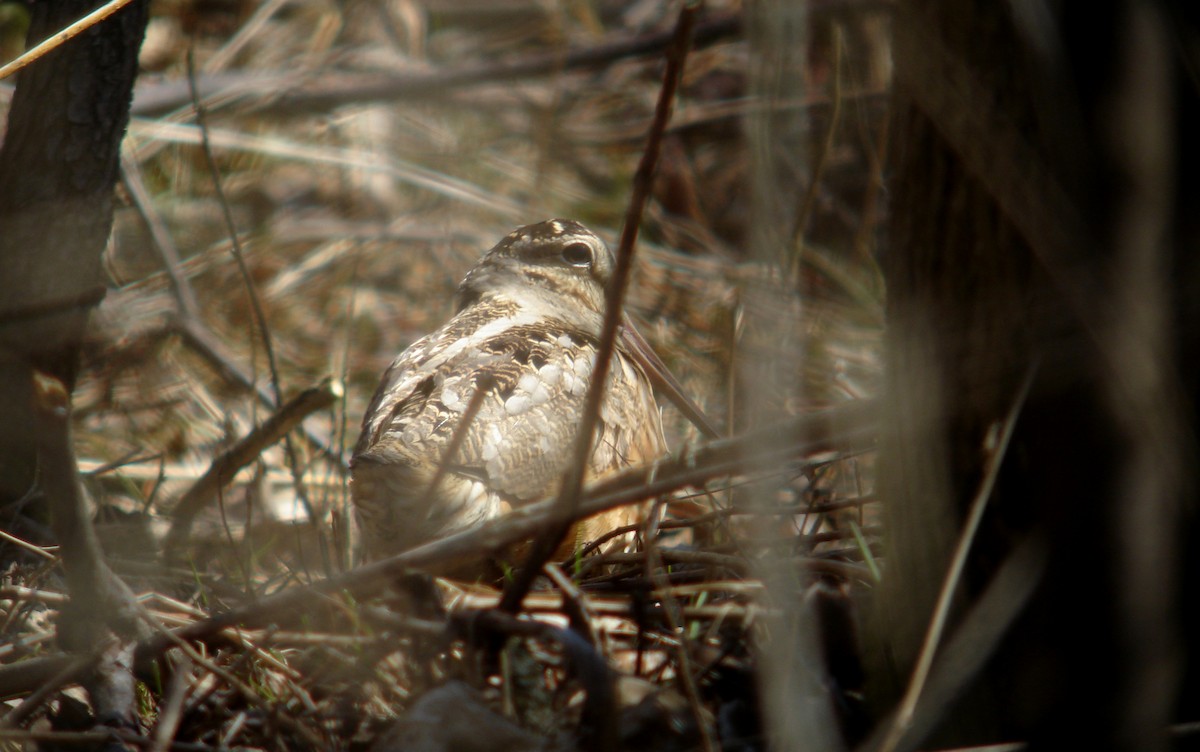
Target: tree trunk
{"x": 58, "y": 166}
{"x": 1045, "y": 217}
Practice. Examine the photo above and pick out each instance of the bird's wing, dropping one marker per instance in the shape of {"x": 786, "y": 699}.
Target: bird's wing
{"x": 521, "y": 439}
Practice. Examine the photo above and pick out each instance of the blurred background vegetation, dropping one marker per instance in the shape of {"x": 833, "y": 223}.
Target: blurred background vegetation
{"x": 364, "y": 156}
{"x": 1022, "y": 176}
{"x": 357, "y": 221}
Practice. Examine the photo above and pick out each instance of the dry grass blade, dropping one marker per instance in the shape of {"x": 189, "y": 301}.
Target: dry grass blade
{"x": 70, "y": 32}
{"x": 941, "y": 612}
{"x": 348, "y": 159}
{"x": 185, "y": 297}
{"x": 260, "y": 316}
{"x": 972, "y": 644}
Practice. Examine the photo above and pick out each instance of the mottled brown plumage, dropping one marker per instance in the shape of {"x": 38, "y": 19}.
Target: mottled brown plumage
{"x": 529, "y": 317}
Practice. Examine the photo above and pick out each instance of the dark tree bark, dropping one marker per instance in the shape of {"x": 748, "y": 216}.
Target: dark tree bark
{"x": 58, "y": 166}
{"x": 1046, "y": 217}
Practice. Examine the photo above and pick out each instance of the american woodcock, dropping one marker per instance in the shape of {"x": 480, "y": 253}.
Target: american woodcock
{"x": 527, "y": 326}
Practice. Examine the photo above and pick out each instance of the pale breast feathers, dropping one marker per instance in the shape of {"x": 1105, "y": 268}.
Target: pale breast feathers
{"x": 521, "y": 438}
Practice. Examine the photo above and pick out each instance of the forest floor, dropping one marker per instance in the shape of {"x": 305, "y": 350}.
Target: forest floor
{"x": 366, "y": 155}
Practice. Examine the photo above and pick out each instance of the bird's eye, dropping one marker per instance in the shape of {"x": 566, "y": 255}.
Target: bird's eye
{"x": 577, "y": 254}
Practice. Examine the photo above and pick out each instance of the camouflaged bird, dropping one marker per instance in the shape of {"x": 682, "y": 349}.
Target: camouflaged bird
{"x": 528, "y": 321}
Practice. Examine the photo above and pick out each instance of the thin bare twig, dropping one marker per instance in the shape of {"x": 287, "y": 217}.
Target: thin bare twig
{"x": 974, "y": 641}
{"x": 168, "y": 252}
{"x": 852, "y": 424}
{"x": 484, "y": 383}
{"x": 877, "y": 156}
{"x": 171, "y": 712}
{"x": 241, "y": 454}
{"x": 67, "y": 34}
{"x": 324, "y": 93}
{"x": 31, "y": 548}
{"x": 568, "y": 499}
{"x": 235, "y": 245}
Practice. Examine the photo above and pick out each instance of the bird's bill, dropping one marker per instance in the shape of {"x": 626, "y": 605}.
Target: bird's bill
{"x": 662, "y": 378}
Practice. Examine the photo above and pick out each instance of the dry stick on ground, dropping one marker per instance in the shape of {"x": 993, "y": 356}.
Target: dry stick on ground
{"x": 568, "y": 499}
{"x": 329, "y": 92}
{"x": 740, "y": 564}
{"x": 48, "y": 675}
{"x": 723, "y": 514}
{"x": 591, "y": 605}
{"x": 225, "y": 466}
{"x": 336, "y": 91}
{"x": 249, "y": 694}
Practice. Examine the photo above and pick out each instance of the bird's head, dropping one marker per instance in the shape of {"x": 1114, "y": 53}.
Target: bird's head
{"x": 558, "y": 264}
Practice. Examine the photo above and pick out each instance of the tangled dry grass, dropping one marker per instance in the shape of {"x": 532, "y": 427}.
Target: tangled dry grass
{"x": 367, "y": 154}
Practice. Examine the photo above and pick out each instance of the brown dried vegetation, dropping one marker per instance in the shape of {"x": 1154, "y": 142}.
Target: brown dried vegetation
{"x": 361, "y": 192}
